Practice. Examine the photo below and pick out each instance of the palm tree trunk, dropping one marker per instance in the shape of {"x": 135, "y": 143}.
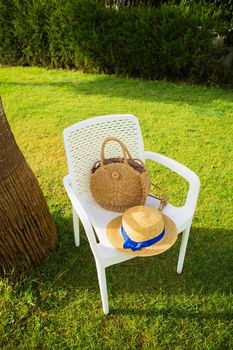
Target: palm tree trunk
{"x": 27, "y": 233}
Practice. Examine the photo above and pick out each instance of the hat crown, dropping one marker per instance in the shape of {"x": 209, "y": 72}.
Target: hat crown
{"x": 142, "y": 223}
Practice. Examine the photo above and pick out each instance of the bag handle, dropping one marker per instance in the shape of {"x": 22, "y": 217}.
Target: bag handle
{"x": 163, "y": 199}
{"x": 123, "y": 147}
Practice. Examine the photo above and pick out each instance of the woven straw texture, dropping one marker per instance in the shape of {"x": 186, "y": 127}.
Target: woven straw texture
{"x": 83, "y": 146}
{"x": 118, "y": 186}
{"x": 137, "y": 227}
{"x": 142, "y": 223}
{"x": 27, "y": 233}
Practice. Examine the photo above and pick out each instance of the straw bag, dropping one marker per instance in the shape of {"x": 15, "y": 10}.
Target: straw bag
{"x": 119, "y": 183}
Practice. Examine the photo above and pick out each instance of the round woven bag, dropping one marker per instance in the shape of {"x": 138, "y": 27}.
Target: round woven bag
{"x": 119, "y": 183}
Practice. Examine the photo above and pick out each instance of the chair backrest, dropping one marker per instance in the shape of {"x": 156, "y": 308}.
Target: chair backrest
{"x": 83, "y": 141}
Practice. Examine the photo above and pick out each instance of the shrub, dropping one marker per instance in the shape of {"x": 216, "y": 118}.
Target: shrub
{"x": 25, "y": 32}
{"x": 168, "y": 42}
{"x": 8, "y": 42}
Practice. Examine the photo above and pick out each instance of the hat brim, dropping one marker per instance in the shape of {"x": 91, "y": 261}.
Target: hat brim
{"x": 113, "y": 231}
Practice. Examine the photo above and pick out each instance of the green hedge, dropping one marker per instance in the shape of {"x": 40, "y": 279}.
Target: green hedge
{"x": 170, "y": 42}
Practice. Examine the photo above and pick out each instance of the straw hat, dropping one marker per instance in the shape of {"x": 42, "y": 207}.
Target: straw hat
{"x": 142, "y": 231}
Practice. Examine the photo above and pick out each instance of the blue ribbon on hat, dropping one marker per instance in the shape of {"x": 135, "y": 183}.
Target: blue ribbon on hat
{"x": 130, "y": 244}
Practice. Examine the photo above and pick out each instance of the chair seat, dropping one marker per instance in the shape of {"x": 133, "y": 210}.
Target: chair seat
{"x": 100, "y": 217}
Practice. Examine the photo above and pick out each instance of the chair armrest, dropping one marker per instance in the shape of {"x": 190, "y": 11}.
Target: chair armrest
{"x": 81, "y": 212}
{"x": 186, "y": 173}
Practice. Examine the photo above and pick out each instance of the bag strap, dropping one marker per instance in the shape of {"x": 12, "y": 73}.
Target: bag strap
{"x": 163, "y": 199}
{"x": 123, "y": 147}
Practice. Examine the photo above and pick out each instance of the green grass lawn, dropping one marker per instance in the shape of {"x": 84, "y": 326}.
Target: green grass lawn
{"x": 58, "y": 306}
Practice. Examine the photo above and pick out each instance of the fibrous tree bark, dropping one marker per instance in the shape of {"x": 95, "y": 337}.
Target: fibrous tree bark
{"x": 27, "y": 233}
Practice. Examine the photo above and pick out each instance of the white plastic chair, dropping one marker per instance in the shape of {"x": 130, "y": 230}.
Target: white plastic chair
{"x": 82, "y": 144}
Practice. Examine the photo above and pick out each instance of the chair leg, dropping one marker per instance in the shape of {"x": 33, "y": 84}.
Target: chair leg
{"x": 103, "y": 287}
{"x": 184, "y": 242}
{"x": 76, "y": 227}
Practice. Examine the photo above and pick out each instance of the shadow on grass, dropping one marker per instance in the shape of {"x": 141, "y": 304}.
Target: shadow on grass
{"x": 70, "y": 275}
{"x": 208, "y": 266}
{"x": 135, "y": 89}
{"x": 172, "y": 311}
